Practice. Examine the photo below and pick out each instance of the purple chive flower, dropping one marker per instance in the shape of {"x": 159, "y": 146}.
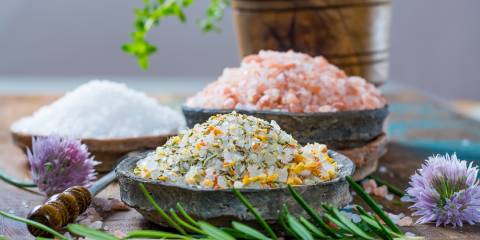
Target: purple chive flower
{"x": 58, "y": 163}
{"x": 445, "y": 191}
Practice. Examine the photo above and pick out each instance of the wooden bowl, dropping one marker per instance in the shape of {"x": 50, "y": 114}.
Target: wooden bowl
{"x": 338, "y": 130}
{"x": 221, "y": 206}
{"x": 106, "y": 151}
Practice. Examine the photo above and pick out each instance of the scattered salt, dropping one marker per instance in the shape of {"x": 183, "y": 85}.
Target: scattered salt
{"x": 369, "y": 185}
{"x": 96, "y": 225}
{"x": 410, "y": 234}
{"x": 389, "y": 197}
{"x": 382, "y": 169}
{"x": 102, "y": 109}
{"x": 119, "y": 234}
{"x": 405, "y": 222}
{"x": 355, "y": 218}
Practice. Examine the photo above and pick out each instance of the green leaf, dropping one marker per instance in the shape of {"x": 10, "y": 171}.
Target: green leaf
{"x": 251, "y": 232}
{"x": 373, "y": 205}
{"x": 154, "y": 234}
{"x": 183, "y": 223}
{"x": 214, "y": 232}
{"x": 282, "y": 219}
{"x": 15, "y": 182}
{"x": 33, "y": 223}
{"x": 186, "y": 216}
{"x": 235, "y": 233}
{"x": 337, "y": 222}
{"x": 89, "y": 232}
{"x": 160, "y": 210}
{"x": 372, "y": 223}
{"x": 312, "y": 228}
{"x": 354, "y": 229}
{"x": 255, "y": 213}
{"x": 298, "y": 228}
{"x": 384, "y": 231}
{"x": 311, "y": 212}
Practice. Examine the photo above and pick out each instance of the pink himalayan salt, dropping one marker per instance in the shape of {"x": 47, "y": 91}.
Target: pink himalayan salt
{"x": 369, "y": 185}
{"x": 380, "y": 191}
{"x": 287, "y": 81}
{"x": 405, "y": 222}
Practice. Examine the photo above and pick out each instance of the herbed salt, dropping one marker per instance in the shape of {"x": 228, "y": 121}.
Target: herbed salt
{"x": 102, "y": 109}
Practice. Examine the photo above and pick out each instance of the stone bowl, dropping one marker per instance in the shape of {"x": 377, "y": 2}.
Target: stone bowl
{"x": 338, "y": 130}
{"x": 106, "y": 151}
{"x": 219, "y": 207}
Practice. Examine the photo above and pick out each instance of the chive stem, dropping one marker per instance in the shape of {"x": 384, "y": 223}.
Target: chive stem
{"x": 160, "y": 210}
{"x": 33, "y": 223}
{"x": 373, "y": 205}
{"x": 17, "y": 183}
{"x": 259, "y": 218}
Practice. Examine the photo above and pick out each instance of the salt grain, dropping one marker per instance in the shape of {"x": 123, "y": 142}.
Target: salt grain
{"x": 100, "y": 110}
{"x": 389, "y": 197}
{"x": 96, "y": 225}
{"x": 405, "y": 221}
{"x": 288, "y": 81}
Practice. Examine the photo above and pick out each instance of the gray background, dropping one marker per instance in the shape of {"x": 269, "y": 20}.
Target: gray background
{"x": 434, "y": 44}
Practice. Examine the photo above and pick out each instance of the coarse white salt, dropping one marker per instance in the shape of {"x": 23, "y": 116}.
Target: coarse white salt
{"x": 102, "y": 109}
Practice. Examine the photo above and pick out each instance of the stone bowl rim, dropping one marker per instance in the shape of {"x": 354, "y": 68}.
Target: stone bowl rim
{"x": 348, "y": 168}
{"x": 283, "y": 113}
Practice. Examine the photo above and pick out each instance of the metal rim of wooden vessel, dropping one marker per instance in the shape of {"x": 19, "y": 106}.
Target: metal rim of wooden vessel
{"x": 221, "y": 206}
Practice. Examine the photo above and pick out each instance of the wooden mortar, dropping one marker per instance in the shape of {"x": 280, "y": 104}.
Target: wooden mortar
{"x": 352, "y": 34}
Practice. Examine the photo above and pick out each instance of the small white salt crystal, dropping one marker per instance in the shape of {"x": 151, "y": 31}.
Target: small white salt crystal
{"x": 119, "y": 234}
{"x": 102, "y": 110}
{"x": 355, "y": 218}
{"x": 406, "y": 198}
{"x": 410, "y": 234}
{"x": 389, "y": 197}
{"x": 96, "y": 225}
{"x": 405, "y": 222}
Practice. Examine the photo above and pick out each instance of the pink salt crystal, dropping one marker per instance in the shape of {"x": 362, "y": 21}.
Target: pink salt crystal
{"x": 369, "y": 185}
{"x": 380, "y": 191}
{"x": 119, "y": 234}
{"x": 109, "y": 204}
{"x": 405, "y": 222}
{"x": 287, "y": 81}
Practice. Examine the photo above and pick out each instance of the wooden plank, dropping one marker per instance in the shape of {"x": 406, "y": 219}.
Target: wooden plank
{"x": 417, "y": 127}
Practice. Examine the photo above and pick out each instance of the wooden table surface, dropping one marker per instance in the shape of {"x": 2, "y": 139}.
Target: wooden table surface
{"x": 417, "y": 127}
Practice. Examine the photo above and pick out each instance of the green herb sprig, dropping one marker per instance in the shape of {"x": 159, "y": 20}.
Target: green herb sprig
{"x": 331, "y": 225}
{"x": 15, "y": 182}
{"x": 154, "y": 11}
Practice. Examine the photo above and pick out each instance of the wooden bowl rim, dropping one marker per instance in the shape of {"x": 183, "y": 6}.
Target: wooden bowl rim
{"x": 93, "y": 140}
{"x": 347, "y": 169}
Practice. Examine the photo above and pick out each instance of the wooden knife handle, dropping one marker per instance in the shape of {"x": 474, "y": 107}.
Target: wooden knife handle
{"x": 60, "y": 210}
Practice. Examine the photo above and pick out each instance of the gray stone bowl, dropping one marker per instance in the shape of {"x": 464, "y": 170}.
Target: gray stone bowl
{"x": 338, "y": 130}
{"x": 221, "y": 206}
